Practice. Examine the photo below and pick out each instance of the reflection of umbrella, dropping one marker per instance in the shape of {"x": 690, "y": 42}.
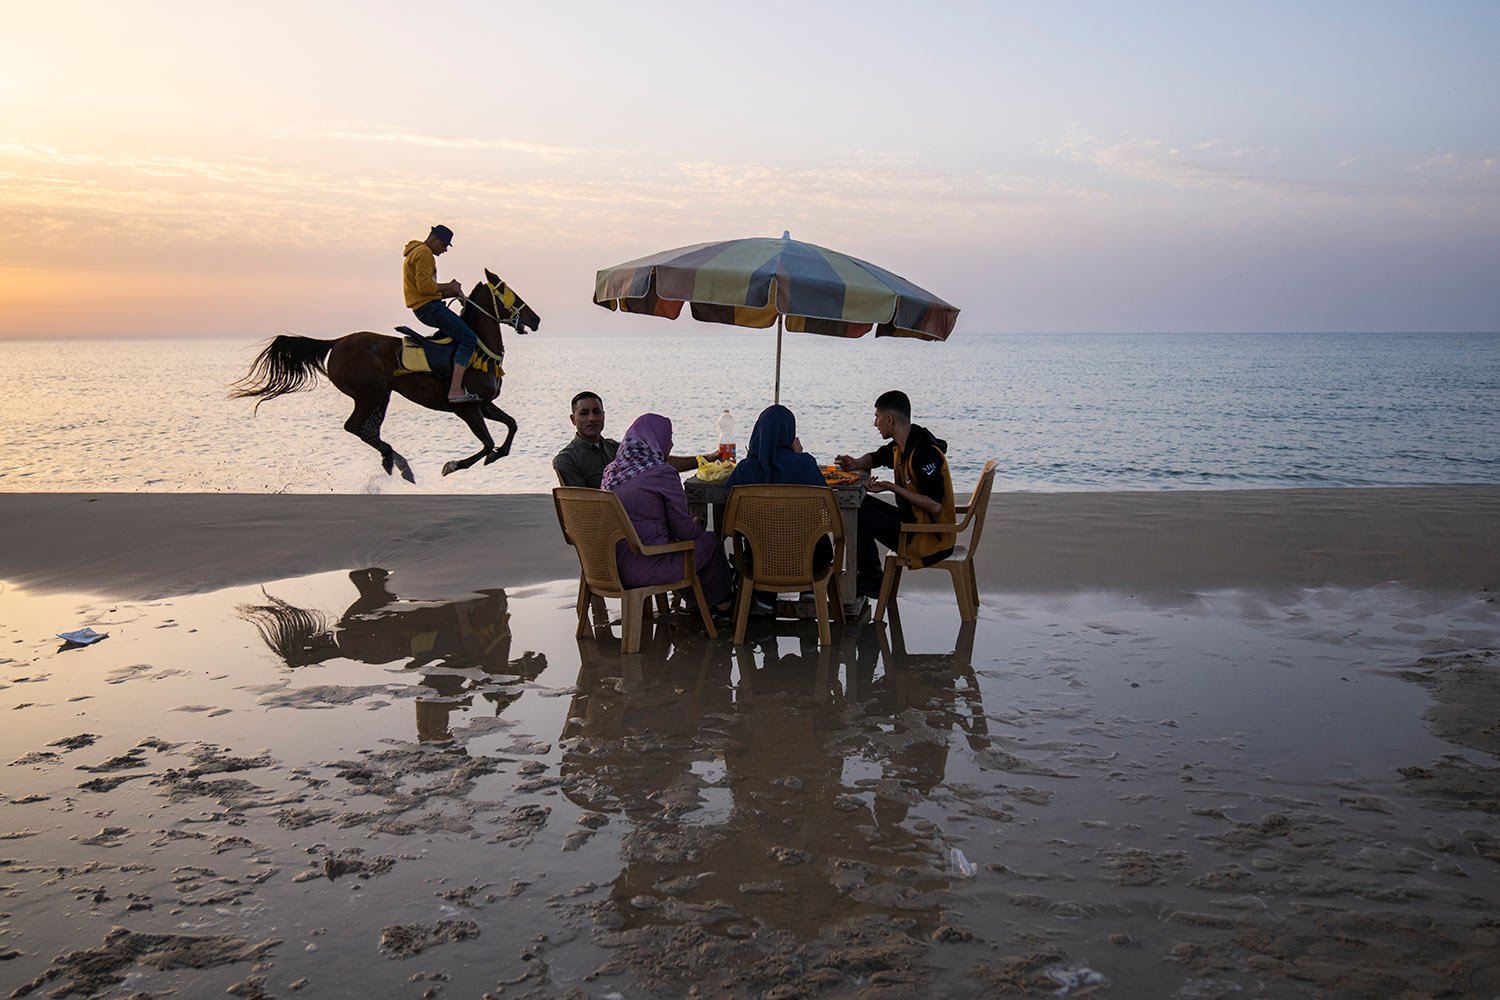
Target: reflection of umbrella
{"x": 757, "y": 282}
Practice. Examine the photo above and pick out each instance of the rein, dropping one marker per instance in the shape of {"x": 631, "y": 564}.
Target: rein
{"x": 513, "y": 316}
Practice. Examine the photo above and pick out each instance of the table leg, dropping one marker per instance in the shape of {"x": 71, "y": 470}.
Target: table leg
{"x": 849, "y": 575}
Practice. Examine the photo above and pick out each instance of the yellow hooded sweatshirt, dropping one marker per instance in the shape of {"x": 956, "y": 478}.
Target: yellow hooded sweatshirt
{"x": 419, "y": 275}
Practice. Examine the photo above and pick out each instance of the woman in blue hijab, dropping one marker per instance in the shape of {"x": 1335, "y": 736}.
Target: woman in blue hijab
{"x": 775, "y": 455}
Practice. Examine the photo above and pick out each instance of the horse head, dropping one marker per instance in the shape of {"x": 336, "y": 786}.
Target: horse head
{"x": 494, "y": 299}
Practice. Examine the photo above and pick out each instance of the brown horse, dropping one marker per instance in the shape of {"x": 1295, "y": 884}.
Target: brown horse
{"x": 363, "y": 367}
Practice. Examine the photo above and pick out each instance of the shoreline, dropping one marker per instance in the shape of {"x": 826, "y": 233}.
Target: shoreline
{"x": 1151, "y": 544}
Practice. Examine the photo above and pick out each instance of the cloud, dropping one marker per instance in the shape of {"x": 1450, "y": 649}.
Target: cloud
{"x": 1459, "y": 172}
{"x": 1220, "y": 165}
{"x": 406, "y": 138}
{"x": 1204, "y": 165}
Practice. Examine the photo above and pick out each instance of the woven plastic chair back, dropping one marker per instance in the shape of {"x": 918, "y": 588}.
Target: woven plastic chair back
{"x": 593, "y": 521}
{"x": 781, "y": 526}
{"x": 980, "y": 502}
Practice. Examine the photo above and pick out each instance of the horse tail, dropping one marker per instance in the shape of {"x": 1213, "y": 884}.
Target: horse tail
{"x": 288, "y": 364}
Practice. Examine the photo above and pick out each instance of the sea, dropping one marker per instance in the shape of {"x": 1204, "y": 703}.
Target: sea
{"x": 1059, "y": 412}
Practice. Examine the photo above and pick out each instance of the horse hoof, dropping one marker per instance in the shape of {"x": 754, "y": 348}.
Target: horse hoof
{"x": 450, "y": 467}
{"x": 492, "y": 456}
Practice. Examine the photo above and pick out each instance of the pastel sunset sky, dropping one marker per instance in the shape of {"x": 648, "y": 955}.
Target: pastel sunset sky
{"x": 251, "y": 169}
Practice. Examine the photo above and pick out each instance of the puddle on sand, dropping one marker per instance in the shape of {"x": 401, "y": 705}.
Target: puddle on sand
{"x": 325, "y": 783}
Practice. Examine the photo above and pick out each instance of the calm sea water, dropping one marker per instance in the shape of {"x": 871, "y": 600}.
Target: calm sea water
{"x": 1059, "y": 412}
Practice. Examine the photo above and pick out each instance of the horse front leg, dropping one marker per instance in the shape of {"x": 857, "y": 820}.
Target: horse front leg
{"x": 364, "y": 423}
{"x": 472, "y": 416}
{"x": 493, "y": 412}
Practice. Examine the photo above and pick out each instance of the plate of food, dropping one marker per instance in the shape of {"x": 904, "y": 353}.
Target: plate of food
{"x": 834, "y": 476}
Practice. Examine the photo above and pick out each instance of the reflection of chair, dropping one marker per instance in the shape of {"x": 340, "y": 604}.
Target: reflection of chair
{"x": 960, "y": 564}
{"x": 592, "y": 522}
{"x": 782, "y": 526}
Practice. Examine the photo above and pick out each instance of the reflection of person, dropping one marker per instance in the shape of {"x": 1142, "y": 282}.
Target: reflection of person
{"x": 424, "y": 297}
{"x": 922, "y": 485}
{"x": 651, "y": 492}
{"x": 582, "y": 460}
{"x": 775, "y": 455}
{"x": 379, "y": 627}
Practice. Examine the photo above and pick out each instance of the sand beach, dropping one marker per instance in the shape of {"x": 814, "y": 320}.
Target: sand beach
{"x": 1199, "y": 744}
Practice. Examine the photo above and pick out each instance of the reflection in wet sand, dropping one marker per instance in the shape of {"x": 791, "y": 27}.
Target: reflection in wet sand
{"x": 1232, "y": 796}
{"x": 460, "y": 647}
{"x": 767, "y": 788}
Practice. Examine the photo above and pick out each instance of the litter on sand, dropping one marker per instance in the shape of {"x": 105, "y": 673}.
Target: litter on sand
{"x": 82, "y": 637}
{"x": 960, "y": 864}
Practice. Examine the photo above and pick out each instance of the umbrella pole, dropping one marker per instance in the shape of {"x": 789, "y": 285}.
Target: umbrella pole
{"x": 778, "y": 360}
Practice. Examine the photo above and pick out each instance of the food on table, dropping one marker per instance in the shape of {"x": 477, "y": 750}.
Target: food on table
{"x": 714, "y": 472}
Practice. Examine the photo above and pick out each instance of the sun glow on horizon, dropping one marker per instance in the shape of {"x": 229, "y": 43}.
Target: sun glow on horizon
{"x": 1044, "y": 181}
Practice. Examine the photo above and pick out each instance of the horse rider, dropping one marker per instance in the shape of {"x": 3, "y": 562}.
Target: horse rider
{"x": 424, "y": 297}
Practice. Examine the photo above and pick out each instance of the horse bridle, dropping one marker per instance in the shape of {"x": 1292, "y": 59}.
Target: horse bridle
{"x": 513, "y": 315}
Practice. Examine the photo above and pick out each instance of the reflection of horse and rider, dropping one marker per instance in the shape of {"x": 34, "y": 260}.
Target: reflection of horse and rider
{"x": 762, "y": 781}
{"x": 380, "y": 628}
{"x": 458, "y": 371}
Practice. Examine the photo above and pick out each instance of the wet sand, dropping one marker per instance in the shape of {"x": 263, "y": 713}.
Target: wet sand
{"x": 150, "y": 545}
{"x": 1197, "y": 745}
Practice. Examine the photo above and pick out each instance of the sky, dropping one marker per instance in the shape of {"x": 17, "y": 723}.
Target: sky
{"x": 211, "y": 169}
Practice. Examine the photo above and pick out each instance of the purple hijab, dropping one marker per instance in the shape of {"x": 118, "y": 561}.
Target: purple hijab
{"x": 646, "y": 444}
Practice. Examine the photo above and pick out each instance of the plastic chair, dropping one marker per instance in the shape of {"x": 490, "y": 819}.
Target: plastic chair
{"x": 662, "y": 609}
{"x": 960, "y": 564}
{"x": 781, "y": 525}
{"x": 593, "y": 521}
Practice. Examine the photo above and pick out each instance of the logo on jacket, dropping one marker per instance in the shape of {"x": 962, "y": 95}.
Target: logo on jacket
{"x": 929, "y": 468}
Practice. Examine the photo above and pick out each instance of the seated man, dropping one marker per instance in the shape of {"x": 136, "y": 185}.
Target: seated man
{"x": 923, "y": 489}
{"x": 582, "y": 461}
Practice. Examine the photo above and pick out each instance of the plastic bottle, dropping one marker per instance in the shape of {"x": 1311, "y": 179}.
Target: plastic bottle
{"x": 726, "y": 437}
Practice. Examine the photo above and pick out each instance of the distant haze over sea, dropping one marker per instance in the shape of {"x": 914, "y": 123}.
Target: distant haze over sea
{"x": 1059, "y": 411}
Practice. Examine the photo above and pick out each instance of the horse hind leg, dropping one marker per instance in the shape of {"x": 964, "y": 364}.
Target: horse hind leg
{"x": 364, "y": 423}
{"x": 493, "y": 412}
{"x": 474, "y": 418}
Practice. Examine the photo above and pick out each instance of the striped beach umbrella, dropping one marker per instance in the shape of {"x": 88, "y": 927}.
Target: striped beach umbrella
{"x": 757, "y": 282}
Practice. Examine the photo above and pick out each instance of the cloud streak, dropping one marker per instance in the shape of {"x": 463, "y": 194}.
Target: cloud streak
{"x": 402, "y": 137}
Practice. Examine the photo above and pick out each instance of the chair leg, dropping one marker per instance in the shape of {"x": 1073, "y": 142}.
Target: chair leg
{"x": 583, "y": 609}
{"x": 889, "y": 583}
{"x": 663, "y": 608}
{"x": 820, "y": 602}
{"x": 837, "y": 597}
{"x": 708, "y": 619}
{"x": 632, "y": 613}
{"x": 973, "y": 584}
{"x": 600, "y": 610}
{"x": 961, "y": 592}
{"x": 742, "y": 608}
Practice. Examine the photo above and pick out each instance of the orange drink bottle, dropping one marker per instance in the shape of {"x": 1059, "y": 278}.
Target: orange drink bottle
{"x": 726, "y": 437}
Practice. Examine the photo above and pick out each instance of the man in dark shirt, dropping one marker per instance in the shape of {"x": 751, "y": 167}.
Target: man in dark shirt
{"x": 921, "y": 483}
{"x": 582, "y": 461}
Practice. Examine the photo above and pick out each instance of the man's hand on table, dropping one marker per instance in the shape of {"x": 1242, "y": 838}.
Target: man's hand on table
{"x": 851, "y": 464}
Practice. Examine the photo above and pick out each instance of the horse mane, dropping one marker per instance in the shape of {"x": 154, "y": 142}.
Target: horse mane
{"x": 294, "y": 634}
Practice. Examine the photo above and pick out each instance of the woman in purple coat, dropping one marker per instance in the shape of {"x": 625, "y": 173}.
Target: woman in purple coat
{"x": 651, "y": 492}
